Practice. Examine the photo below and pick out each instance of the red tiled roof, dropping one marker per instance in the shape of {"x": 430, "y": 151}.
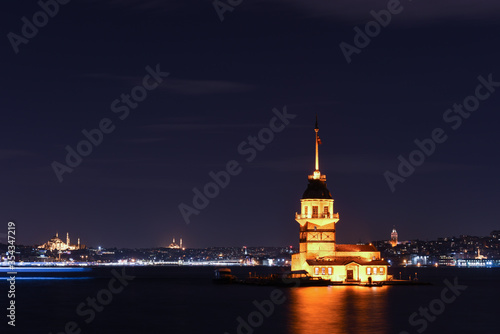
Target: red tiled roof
{"x": 355, "y": 248}
{"x": 344, "y": 260}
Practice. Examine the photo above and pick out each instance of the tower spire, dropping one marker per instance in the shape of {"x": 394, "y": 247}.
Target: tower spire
{"x": 317, "y": 174}
{"x": 316, "y": 129}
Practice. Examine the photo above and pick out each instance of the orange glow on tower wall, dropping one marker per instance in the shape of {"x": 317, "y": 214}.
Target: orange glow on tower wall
{"x": 319, "y": 253}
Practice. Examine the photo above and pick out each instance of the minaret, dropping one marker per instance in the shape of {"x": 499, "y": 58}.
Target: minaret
{"x": 181, "y": 244}
{"x": 67, "y": 239}
{"x": 394, "y": 237}
{"x": 78, "y": 243}
{"x": 317, "y": 219}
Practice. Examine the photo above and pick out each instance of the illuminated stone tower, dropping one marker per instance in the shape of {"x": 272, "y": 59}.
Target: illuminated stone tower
{"x": 394, "y": 237}
{"x": 317, "y": 219}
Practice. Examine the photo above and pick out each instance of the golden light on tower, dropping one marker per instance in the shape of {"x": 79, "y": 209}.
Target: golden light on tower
{"x": 319, "y": 254}
{"x": 394, "y": 237}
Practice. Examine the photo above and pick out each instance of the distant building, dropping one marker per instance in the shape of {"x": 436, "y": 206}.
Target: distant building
{"x": 480, "y": 256}
{"x": 55, "y": 243}
{"x": 319, "y": 253}
{"x": 173, "y": 245}
{"x": 394, "y": 237}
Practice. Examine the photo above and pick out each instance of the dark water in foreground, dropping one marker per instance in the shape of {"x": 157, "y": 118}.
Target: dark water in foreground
{"x": 184, "y": 300}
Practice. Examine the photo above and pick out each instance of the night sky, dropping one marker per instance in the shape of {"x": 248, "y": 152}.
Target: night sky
{"x": 224, "y": 80}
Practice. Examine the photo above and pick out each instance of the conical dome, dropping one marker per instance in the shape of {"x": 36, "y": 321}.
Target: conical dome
{"x": 316, "y": 189}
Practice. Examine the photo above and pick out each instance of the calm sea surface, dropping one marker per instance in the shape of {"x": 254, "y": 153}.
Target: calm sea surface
{"x": 184, "y": 300}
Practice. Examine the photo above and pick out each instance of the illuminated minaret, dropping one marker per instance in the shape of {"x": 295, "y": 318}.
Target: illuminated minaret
{"x": 317, "y": 219}
{"x": 67, "y": 238}
{"x": 181, "y": 244}
{"x": 394, "y": 237}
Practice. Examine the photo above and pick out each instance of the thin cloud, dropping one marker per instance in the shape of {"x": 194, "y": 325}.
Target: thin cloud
{"x": 11, "y": 154}
{"x": 204, "y": 87}
{"x": 354, "y": 12}
{"x": 203, "y": 126}
{"x": 143, "y": 140}
{"x": 414, "y": 12}
{"x": 145, "y": 5}
{"x": 183, "y": 86}
{"x": 355, "y": 164}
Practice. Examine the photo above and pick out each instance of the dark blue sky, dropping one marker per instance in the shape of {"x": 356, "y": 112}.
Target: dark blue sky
{"x": 225, "y": 79}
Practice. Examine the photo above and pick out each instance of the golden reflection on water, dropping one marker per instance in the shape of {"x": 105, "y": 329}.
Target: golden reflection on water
{"x": 338, "y": 309}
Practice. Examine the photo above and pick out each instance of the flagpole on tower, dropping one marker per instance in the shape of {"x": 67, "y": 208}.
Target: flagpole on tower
{"x": 316, "y": 129}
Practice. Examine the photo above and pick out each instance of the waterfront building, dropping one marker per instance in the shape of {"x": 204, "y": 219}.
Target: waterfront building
{"x": 319, "y": 253}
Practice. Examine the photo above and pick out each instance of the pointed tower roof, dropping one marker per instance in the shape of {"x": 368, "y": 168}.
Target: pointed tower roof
{"x": 317, "y": 182}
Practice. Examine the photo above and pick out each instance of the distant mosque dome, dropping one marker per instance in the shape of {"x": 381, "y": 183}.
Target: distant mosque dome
{"x": 56, "y": 243}
{"x": 173, "y": 245}
{"x": 317, "y": 189}
{"x": 55, "y": 239}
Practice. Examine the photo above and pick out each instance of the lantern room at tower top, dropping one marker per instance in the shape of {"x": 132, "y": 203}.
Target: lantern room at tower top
{"x": 319, "y": 254}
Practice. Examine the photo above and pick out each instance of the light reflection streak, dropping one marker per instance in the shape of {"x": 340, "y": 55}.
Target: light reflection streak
{"x": 338, "y": 309}
{"x": 45, "y": 278}
{"x": 42, "y": 269}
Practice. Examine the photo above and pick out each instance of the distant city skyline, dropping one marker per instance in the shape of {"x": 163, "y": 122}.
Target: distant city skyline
{"x": 172, "y": 243}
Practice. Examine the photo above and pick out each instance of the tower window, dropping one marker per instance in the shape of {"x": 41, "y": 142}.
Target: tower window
{"x": 305, "y": 210}
{"x": 330, "y": 271}
{"x": 323, "y": 271}
{"x": 325, "y": 211}
{"x": 368, "y": 270}
{"x": 315, "y": 212}
{"x": 316, "y": 270}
